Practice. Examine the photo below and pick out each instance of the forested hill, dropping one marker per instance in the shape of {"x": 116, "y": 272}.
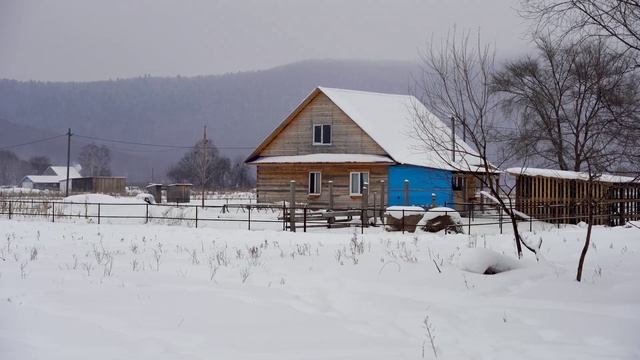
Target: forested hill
{"x": 239, "y": 109}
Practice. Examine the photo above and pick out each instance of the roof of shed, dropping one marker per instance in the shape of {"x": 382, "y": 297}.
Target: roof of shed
{"x": 569, "y": 175}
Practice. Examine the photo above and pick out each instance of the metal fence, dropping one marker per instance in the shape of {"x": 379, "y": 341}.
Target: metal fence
{"x": 254, "y": 216}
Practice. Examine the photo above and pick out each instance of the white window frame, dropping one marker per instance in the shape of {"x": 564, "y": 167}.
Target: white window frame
{"x": 360, "y": 183}
{"x": 321, "y": 126}
{"x": 318, "y": 183}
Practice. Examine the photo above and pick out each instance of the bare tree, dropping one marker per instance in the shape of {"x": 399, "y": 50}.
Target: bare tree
{"x": 618, "y": 20}
{"x": 12, "y": 168}
{"x": 457, "y": 83}
{"x": 575, "y": 101}
{"x": 203, "y": 166}
{"x": 95, "y": 160}
{"x": 39, "y": 163}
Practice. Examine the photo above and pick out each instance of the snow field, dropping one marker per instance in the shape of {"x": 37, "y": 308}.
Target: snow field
{"x": 72, "y": 291}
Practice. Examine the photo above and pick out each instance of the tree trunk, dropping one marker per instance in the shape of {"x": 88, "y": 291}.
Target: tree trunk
{"x": 587, "y": 241}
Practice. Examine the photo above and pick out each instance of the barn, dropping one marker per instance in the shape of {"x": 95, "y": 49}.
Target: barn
{"x": 337, "y": 144}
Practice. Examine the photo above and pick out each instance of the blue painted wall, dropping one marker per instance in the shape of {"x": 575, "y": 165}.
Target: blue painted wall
{"x": 422, "y": 183}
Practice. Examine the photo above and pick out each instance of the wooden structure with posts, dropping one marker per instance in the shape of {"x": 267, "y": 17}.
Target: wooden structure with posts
{"x": 179, "y": 193}
{"x": 99, "y": 184}
{"x": 563, "y": 196}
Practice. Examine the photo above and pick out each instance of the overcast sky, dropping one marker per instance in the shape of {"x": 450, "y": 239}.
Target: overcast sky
{"x": 79, "y": 40}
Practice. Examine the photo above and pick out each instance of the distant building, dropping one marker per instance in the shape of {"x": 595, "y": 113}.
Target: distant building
{"x": 51, "y": 178}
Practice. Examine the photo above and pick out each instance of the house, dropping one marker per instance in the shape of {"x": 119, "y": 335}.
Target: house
{"x": 561, "y": 197}
{"x": 340, "y": 140}
{"x": 50, "y": 178}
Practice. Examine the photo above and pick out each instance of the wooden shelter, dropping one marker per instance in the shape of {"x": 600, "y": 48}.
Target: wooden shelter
{"x": 100, "y": 184}
{"x": 179, "y": 193}
{"x": 563, "y": 197}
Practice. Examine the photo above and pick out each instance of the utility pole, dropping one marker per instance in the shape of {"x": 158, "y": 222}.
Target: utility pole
{"x": 204, "y": 162}
{"x": 66, "y": 192}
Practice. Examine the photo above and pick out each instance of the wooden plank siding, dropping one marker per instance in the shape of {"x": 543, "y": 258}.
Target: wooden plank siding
{"x": 346, "y": 136}
{"x": 565, "y": 201}
{"x": 273, "y": 183}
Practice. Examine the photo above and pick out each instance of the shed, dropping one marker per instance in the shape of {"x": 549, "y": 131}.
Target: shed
{"x": 559, "y": 196}
{"x": 179, "y": 193}
{"x": 99, "y": 184}
{"x": 156, "y": 191}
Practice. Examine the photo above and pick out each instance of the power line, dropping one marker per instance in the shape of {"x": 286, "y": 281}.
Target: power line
{"x": 118, "y": 141}
{"x": 32, "y": 142}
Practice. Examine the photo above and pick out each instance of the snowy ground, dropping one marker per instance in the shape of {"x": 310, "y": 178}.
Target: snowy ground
{"x": 132, "y": 291}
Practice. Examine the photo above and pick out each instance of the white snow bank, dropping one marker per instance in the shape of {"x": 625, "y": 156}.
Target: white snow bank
{"x": 485, "y": 261}
{"x": 439, "y": 211}
{"x": 148, "y": 198}
{"x": 571, "y": 175}
{"x": 396, "y": 212}
{"x": 100, "y": 198}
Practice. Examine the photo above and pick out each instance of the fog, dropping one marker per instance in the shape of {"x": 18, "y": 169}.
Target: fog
{"x": 82, "y": 40}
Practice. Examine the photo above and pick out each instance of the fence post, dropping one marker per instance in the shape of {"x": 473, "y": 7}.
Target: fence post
{"x": 304, "y": 220}
{"x": 381, "y": 201}
{"x": 249, "y": 220}
{"x": 405, "y": 189}
{"x": 10, "y": 209}
{"x": 530, "y": 223}
{"x": 284, "y": 215}
{"x": 375, "y": 216}
{"x": 292, "y": 206}
{"x": 53, "y": 211}
{"x": 365, "y": 204}
{"x": 196, "y": 216}
{"x": 362, "y": 221}
{"x": 98, "y": 213}
{"x": 500, "y": 219}
{"x": 330, "y": 194}
{"x": 469, "y": 224}
{"x": 146, "y": 216}
{"x": 403, "y": 220}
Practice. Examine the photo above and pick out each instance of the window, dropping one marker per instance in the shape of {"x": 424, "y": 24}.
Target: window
{"x": 457, "y": 182}
{"x": 358, "y": 181}
{"x": 321, "y": 134}
{"x": 314, "y": 182}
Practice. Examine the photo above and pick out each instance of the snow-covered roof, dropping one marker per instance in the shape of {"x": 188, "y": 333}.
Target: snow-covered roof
{"x": 570, "y": 175}
{"x": 42, "y": 179}
{"x": 323, "y": 158}
{"x": 390, "y": 120}
{"x": 61, "y": 171}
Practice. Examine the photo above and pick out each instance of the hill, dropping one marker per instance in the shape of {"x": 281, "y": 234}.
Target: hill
{"x": 239, "y": 109}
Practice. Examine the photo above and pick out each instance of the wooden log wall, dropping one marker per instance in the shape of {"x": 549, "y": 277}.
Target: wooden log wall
{"x": 273, "y": 183}
{"x": 565, "y": 201}
{"x": 346, "y": 136}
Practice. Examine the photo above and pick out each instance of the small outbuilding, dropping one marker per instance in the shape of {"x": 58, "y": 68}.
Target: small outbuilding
{"x": 179, "y": 193}
{"x": 156, "y": 191}
{"x": 99, "y": 184}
